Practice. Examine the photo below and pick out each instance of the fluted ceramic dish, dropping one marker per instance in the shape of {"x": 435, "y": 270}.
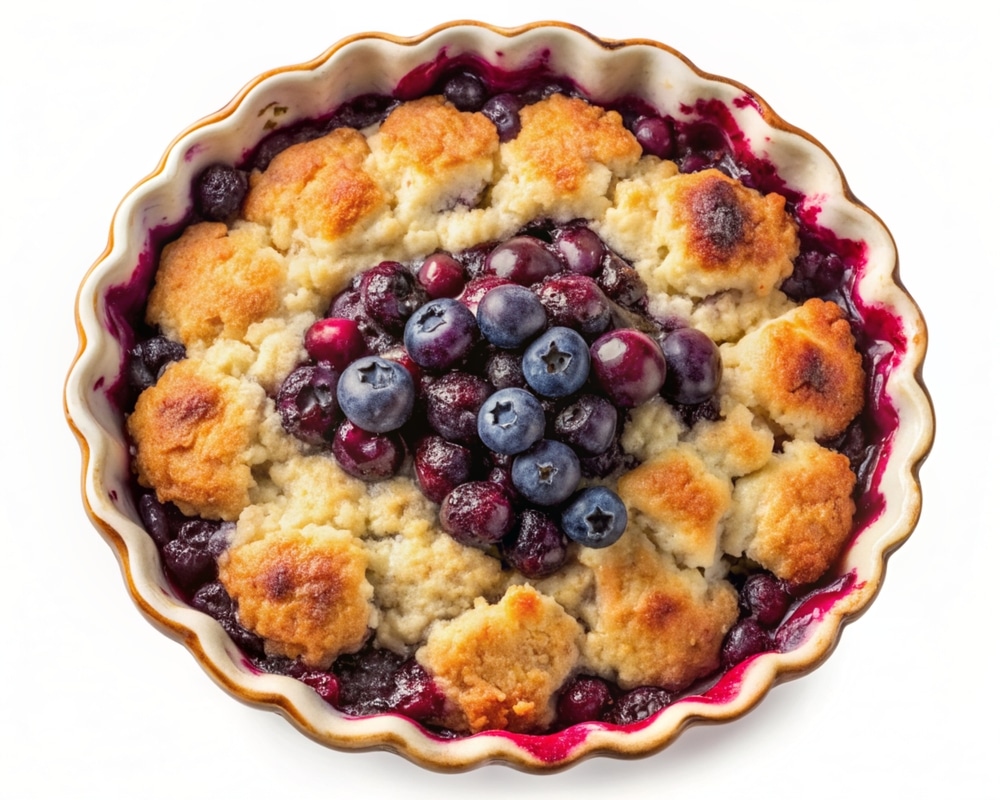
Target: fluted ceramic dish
{"x": 376, "y": 63}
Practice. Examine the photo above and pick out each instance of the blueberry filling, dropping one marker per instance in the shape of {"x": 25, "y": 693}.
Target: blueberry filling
{"x": 525, "y": 515}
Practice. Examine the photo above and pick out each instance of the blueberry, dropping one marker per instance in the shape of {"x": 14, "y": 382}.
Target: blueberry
{"x": 656, "y": 136}
{"x": 746, "y": 638}
{"x": 191, "y": 557}
{"x": 336, "y": 340}
{"x": 596, "y": 517}
{"x": 475, "y": 290}
{"x": 694, "y": 366}
{"x": 375, "y": 394}
{"x": 639, "y": 704}
{"x": 588, "y": 425}
{"x": 546, "y": 474}
{"x": 503, "y": 110}
{"x": 148, "y": 359}
{"x": 391, "y": 294}
{"x": 557, "y": 363}
{"x": 219, "y": 192}
{"x": 441, "y": 465}
{"x": 523, "y": 260}
{"x": 350, "y": 305}
{"x": 510, "y": 315}
{"x": 581, "y": 249}
{"x": 478, "y": 513}
{"x": 307, "y": 403}
{"x": 629, "y": 366}
{"x": 815, "y": 274}
{"x": 441, "y": 276}
{"x": 511, "y": 421}
{"x": 452, "y": 405}
{"x": 440, "y": 334}
{"x": 503, "y": 370}
{"x": 583, "y": 700}
{"x": 577, "y": 302}
{"x": 538, "y": 547}
{"x": 464, "y": 91}
{"x": 765, "y": 598}
{"x": 366, "y": 455}
{"x": 619, "y": 281}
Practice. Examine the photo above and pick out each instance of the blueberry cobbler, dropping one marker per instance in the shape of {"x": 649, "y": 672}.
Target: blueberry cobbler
{"x": 498, "y": 407}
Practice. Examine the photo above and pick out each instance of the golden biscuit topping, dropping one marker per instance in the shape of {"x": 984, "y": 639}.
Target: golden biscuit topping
{"x": 320, "y": 187}
{"x": 802, "y": 371}
{"x": 654, "y": 623}
{"x": 500, "y": 665}
{"x": 304, "y": 590}
{"x": 213, "y": 283}
{"x": 195, "y": 433}
{"x": 794, "y": 515}
{"x": 724, "y": 236}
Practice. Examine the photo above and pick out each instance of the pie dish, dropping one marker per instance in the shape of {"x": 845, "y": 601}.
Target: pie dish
{"x": 816, "y": 421}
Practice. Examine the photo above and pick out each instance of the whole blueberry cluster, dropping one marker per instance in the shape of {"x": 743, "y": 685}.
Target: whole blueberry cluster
{"x": 506, "y": 372}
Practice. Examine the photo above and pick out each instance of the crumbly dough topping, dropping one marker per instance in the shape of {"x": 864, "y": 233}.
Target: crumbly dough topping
{"x": 320, "y": 561}
{"x": 652, "y": 622}
{"x": 214, "y": 283}
{"x": 801, "y": 371}
{"x": 304, "y": 591}
{"x": 196, "y": 433}
{"x": 501, "y": 665}
{"x": 794, "y": 515}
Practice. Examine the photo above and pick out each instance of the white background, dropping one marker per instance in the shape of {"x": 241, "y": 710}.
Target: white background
{"x": 95, "y": 702}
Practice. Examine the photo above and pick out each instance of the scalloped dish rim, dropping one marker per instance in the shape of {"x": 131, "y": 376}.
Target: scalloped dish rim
{"x": 105, "y": 457}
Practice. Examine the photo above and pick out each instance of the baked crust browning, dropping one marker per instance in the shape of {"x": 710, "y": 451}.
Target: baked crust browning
{"x": 722, "y": 235}
{"x": 193, "y": 436}
{"x": 320, "y": 187}
{"x": 801, "y": 370}
{"x": 562, "y": 163}
{"x": 653, "y": 622}
{"x": 500, "y": 665}
{"x": 683, "y": 502}
{"x": 793, "y": 516}
{"x": 213, "y": 283}
{"x": 434, "y": 138}
{"x": 304, "y": 591}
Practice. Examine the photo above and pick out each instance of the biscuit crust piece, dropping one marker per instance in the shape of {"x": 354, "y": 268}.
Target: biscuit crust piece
{"x": 801, "y": 370}
{"x": 215, "y": 283}
{"x": 500, "y": 665}
{"x": 304, "y": 591}
{"x": 682, "y": 502}
{"x": 320, "y": 187}
{"x": 194, "y": 435}
{"x": 793, "y": 516}
{"x": 435, "y": 155}
{"x": 723, "y": 236}
{"x": 652, "y": 622}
